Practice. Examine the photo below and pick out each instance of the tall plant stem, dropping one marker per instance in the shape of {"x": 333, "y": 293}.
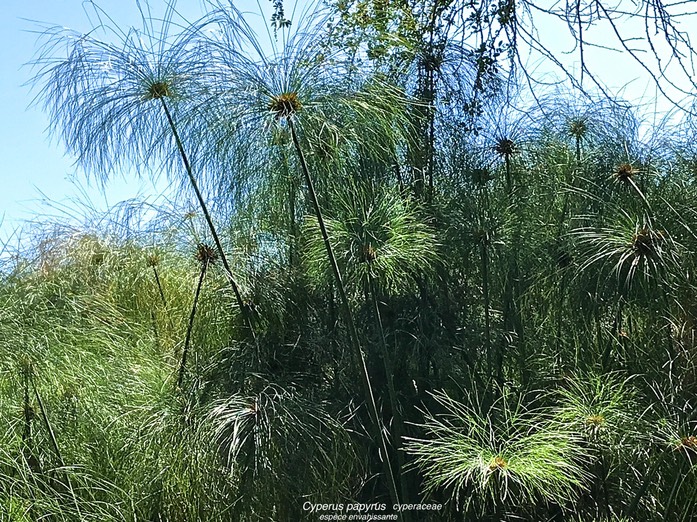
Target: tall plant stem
{"x": 348, "y": 316}
{"x": 398, "y": 431}
{"x": 431, "y": 136}
{"x": 509, "y": 300}
{"x": 47, "y": 423}
{"x": 190, "y": 326}
{"x": 561, "y": 291}
{"x": 484, "y": 254}
{"x": 163, "y": 299}
{"x": 28, "y": 413}
{"x": 512, "y": 290}
{"x": 155, "y": 329}
{"x": 292, "y": 222}
{"x": 509, "y": 178}
{"x": 431, "y": 97}
{"x": 159, "y": 286}
{"x": 54, "y": 442}
{"x": 484, "y": 257}
{"x": 206, "y": 214}
{"x": 27, "y": 443}
{"x": 578, "y": 150}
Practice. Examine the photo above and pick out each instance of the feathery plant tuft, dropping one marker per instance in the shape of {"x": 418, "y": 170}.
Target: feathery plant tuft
{"x": 510, "y": 454}
{"x": 599, "y": 407}
{"x": 635, "y": 249}
{"x": 277, "y": 446}
{"x": 304, "y": 92}
{"x": 377, "y": 235}
{"x": 104, "y": 98}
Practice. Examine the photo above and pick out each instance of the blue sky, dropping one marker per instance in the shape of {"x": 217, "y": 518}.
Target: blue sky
{"x": 34, "y": 164}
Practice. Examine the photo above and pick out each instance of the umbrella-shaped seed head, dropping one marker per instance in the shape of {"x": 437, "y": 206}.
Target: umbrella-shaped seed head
{"x": 505, "y": 147}
{"x": 625, "y": 172}
{"x": 206, "y": 254}
{"x": 159, "y": 90}
{"x": 498, "y": 462}
{"x": 285, "y": 105}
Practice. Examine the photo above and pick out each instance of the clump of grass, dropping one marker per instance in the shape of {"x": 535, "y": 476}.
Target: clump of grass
{"x": 510, "y": 456}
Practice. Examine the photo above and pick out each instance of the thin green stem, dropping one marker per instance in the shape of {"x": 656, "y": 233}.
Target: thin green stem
{"x": 47, "y": 423}
{"x": 161, "y": 291}
{"x": 485, "y": 219}
{"x": 206, "y": 214}
{"x": 54, "y": 443}
{"x": 578, "y": 150}
{"x": 159, "y": 286}
{"x": 190, "y": 327}
{"x": 484, "y": 254}
{"x": 348, "y": 316}
{"x": 512, "y": 292}
{"x": 398, "y": 431}
{"x": 509, "y": 178}
{"x": 28, "y": 412}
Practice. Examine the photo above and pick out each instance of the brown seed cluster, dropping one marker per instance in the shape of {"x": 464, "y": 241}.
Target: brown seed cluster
{"x": 505, "y": 147}
{"x": 159, "y": 90}
{"x": 206, "y": 254}
{"x": 498, "y": 462}
{"x": 285, "y": 105}
{"x": 689, "y": 442}
{"x": 369, "y": 254}
{"x": 644, "y": 242}
{"x": 595, "y": 420}
{"x": 152, "y": 260}
{"x": 625, "y": 172}
{"x": 578, "y": 128}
